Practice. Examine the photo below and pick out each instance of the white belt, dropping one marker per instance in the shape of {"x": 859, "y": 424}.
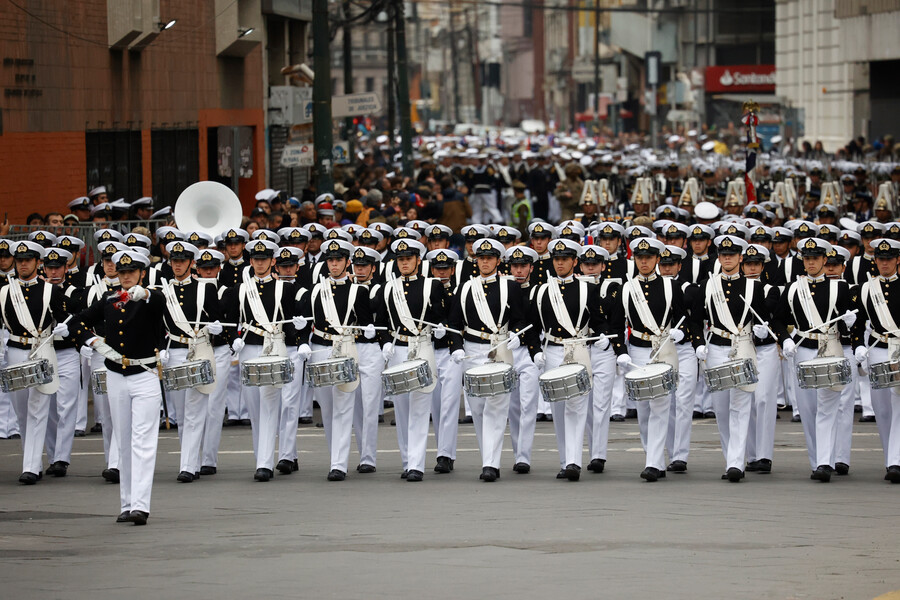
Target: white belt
{"x": 479, "y": 334}
{"x": 884, "y": 338}
{"x": 817, "y": 336}
{"x": 181, "y": 339}
{"x": 560, "y": 340}
{"x": 644, "y": 335}
{"x": 327, "y": 336}
{"x": 135, "y": 362}
{"x": 722, "y": 333}
{"x": 30, "y": 340}
{"x": 258, "y": 330}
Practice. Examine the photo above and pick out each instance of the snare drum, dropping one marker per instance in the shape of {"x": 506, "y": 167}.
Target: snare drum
{"x": 885, "y": 375}
{"x": 408, "y": 376}
{"x": 730, "y": 375}
{"x": 649, "y": 382}
{"x": 269, "y": 370}
{"x": 331, "y": 372}
{"x": 26, "y": 375}
{"x": 98, "y": 381}
{"x": 823, "y": 373}
{"x": 564, "y": 383}
{"x": 188, "y": 375}
{"x": 491, "y": 379}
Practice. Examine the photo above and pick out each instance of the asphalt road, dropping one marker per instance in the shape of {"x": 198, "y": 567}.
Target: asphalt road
{"x": 453, "y": 536}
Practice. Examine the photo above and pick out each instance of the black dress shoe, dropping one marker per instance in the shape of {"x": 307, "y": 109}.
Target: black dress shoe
{"x": 393, "y": 422}
{"x": 841, "y": 468}
{"x": 443, "y": 464}
{"x": 677, "y": 466}
{"x": 97, "y": 428}
{"x": 487, "y": 474}
{"x": 295, "y": 466}
{"x": 631, "y": 413}
{"x": 765, "y": 465}
{"x": 822, "y": 473}
{"x": 111, "y": 475}
{"x": 597, "y": 465}
{"x": 573, "y": 472}
{"x": 263, "y": 475}
{"x": 245, "y": 422}
{"x": 522, "y": 468}
{"x": 207, "y": 470}
{"x": 697, "y": 415}
{"x": 541, "y": 417}
{"x": 231, "y": 423}
{"x": 752, "y": 466}
{"x": 124, "y": 517}
{"x": 650, "y": 474}
{"x": 414, "y": 475}
{"x": 79, "y": 433}
{"x": 389, "y": 404}
{"x": 893, "y": 474}
{"x": 285, "y": 467}
{"x": 320, "y": 425}
{"x": 336, "y": 475}
{"x": 305, "y": 420}
{"x": 404, "y": 474}
{"x": 795, "y": 419}
{"x": 138, "y": 517}
{"x": 617, "y": 419}
{"x": 58, "y": 469}
{"x": 366, "y": 468}
{"x": 561, "y": 474}
{"x": 184, "y": 477}
{"x": 867, "y": 419}
{"x": 467, "y": 420}
{"x": 782, "y": 407}
{"x": 857, "y": 408}
{"x": 15, "y": 436}
{"x": 381, "y": 418}
{"x": 734, "y": 475}
{"x": 28, "y": 478}
{"x": 709, "y": 415}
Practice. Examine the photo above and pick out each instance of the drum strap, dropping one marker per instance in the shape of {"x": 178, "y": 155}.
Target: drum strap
{"x": 632, "y": 293}
{"x": 177, "y": 313}
{"x": 257, "y": 308}
{"x": 807, "y": 303}
{"x": 559, "y": 306}
{"x": 484, "y": 309}
{"x": 716, "y": 296}
{"x": 872, "y": 289}
{"x": 24, "y": 316}
{"x": 402, "y": 306}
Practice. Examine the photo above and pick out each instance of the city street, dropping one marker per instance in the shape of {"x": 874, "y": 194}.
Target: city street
{"x": 452, "y": 536}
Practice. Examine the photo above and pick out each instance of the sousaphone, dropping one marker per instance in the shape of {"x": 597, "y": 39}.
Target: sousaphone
{"x": 209, "y": 207}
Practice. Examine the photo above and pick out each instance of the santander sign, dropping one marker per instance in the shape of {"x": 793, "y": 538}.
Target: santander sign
{"x": 741, "y": 78}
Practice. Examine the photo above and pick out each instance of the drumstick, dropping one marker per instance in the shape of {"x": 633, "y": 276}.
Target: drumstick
{"x": 828, "y": 322}
{"x": 677, "y": 325}
{"x": 34, "y": 352}
{"x": 761, "y": 321}
{"x": 450, "y": 329}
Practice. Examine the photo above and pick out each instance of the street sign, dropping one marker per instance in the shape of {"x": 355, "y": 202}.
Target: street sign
{"x": 355, "y": 105}
{"x": 297, "y": 155}
{"x": 652, "y": 66}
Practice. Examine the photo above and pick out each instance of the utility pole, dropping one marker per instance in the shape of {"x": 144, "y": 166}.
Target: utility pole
{"x": 474, "y": 60}
{"x": 403, "y": 92}
{"x": 348, "y": 73}
{"x": 597, "y": 63}
{"x": 322, "y": 124}
{"x": 454, "y": 66}
{"x": 392, "y": 83}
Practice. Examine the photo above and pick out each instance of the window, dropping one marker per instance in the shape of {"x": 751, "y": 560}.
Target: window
{"x": 370, "y": 84}
{"x": 527, "y": 20}
{"x": 114, "y": 160}
{"x": 175, "y": 157}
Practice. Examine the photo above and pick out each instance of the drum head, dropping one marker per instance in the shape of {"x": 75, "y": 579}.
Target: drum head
{"x": 562, "y": 371}
{"x": 817, "y": 362}
{"x": 404, "y": 366}
{"x": 488, "y": 369}
{"x": 650, "y": 370}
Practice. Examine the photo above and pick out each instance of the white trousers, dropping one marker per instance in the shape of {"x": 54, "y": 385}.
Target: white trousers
{"x": 290, "y": 410}
{"x": 523, "y": 406}
{"x": 264, "y": 410}
{"x": 367, "y": 399}
{"x": 569, "y": 417}
{"x": 234, "y": 400}
{"x": 618, "y": 403}
{"x": 681, "y": 414}
{"x": 864, "y": 395}
{"x": 488, "y": 414}
{"x": 32, "y": 410}
{"x": 337, "y": 415}
{"x": 212, "y": 432}
{"x": 653, "y": 417}
{"x": 732, "y": 409}
{"x": 791, "y": 387}
{"x": 63, "y": 406}
{"x": 83, "y": 389}
{"x": 764, "y": 405}
{"x": 411, "y": 411}
{"x": 818, "y": 412}
{"x": 134, "y": 403}
{"x": 843, "y": 434}
{"x": 445, "y": 403}
{"x": 603, "y": 365}
{"x": 886, "y": 405}
{"x": 484, "y": 208}
{"x": 191, "y": 406}
{"x": 101, "y": 404}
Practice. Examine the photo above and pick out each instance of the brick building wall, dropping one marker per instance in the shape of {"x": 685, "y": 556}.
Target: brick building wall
{"x": 59, "y": 80}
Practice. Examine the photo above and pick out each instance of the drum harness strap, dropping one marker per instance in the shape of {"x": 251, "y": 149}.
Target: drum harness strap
{"x": 14, "y": 292}
{"x": 810, "y": 310}
{"x": 323, "y": 291}
{"x": 718, "y": 304}
{"x": 265, "y": 329}
{"x": 633, "y": 288}
{"x": 473, "y": 286}
{"x": 178, "y": 316}
{"x": 558, "y": 304}
{"x": 872, "y": 289}
{"x": 403, "y": 312}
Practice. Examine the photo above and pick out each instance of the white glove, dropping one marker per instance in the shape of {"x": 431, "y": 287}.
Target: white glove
{"x": 513, "y": 342}
{"x": 304, "y": 351}
{"x": 702, "y": 352}
{"x": 603, "y": 342}
{"x": 539, "y": 361}
{"x": 387, "y": 351}
{"x": 761, "y": 330}
{"x": 849, "y": 318}
{"x": 61, "y": 330}
{"x": 138, "y": 293}
{"x": 458, "y": 356}
{"x": 676, "y": 335}
{"x": 86, "y": 352}
{"x": 164, "y": 357}
{"x": 861, "y": 353}
{"x": 215, "y": 328}
{"x": 299, "y": 323}
{"x": 369, "y": 332}
{"x": 623, "y": 360}
{"x": 237, "y": 345}
{"x": 439, "y": 332}
{"x": 789, "y": 348}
